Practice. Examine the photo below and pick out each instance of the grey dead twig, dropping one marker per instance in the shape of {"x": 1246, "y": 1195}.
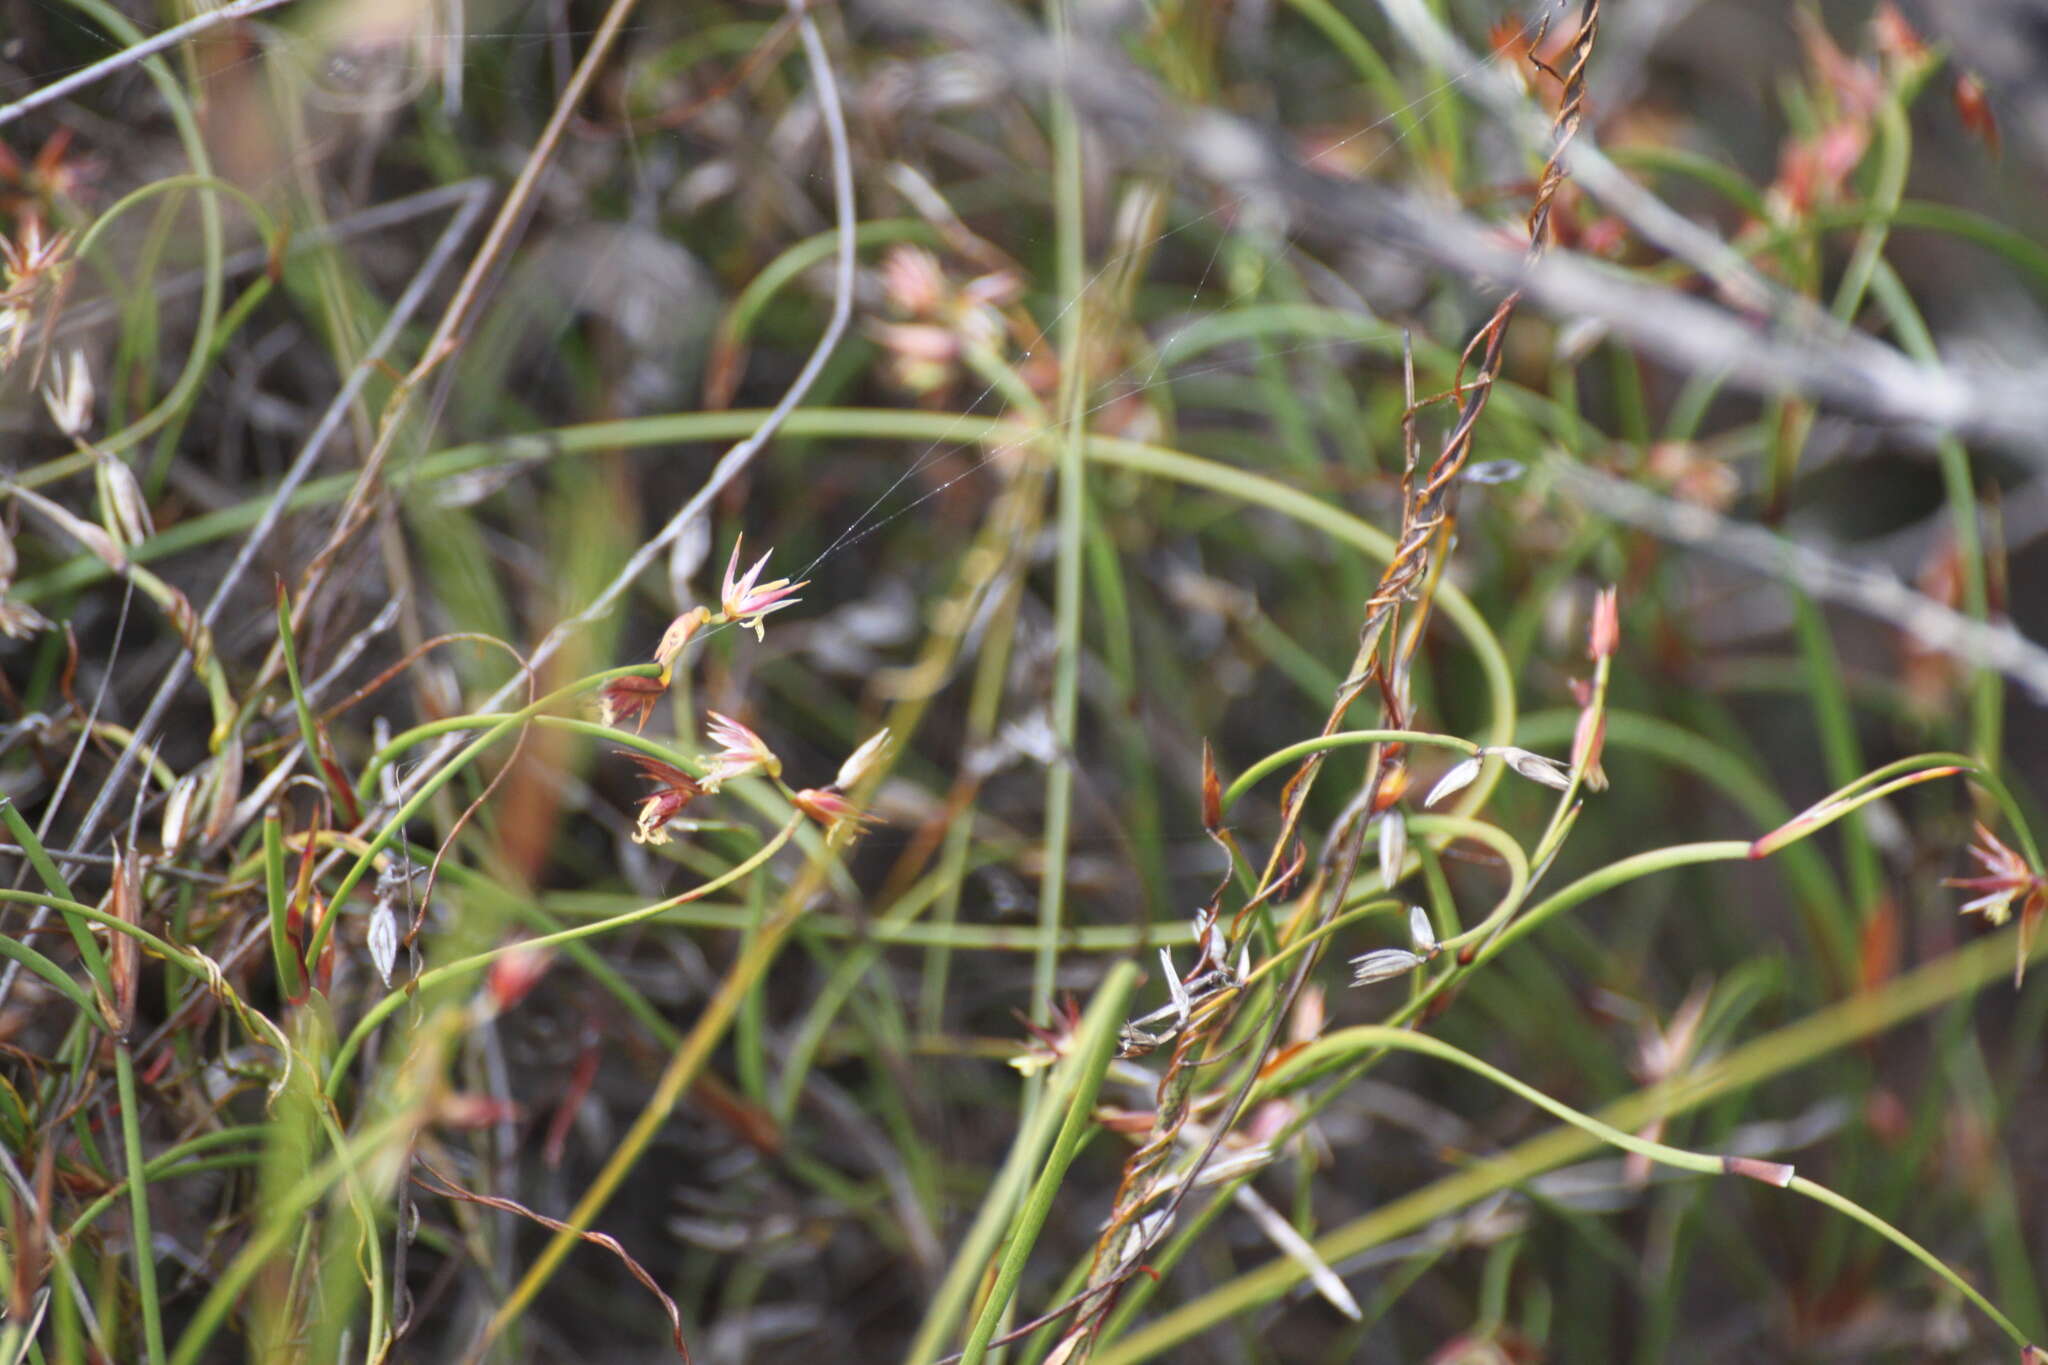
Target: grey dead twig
{"x": 130, "y": 56}
{"x": 1780, "y": 350}
{"x": 1875, "y": 592}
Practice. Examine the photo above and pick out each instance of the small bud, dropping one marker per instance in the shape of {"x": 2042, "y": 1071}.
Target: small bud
{"x": 1605, "y": 632}
{"x": 1589, "y": 737}
{"x": 1973, "y": 107}
{"x": 1457, "y": 779}
{"x": 675, "y": 637}
{"x": 1212, "y": 791}
{"x": 1383, "y": 964}
{"x": 1393, "y": 847}
{"x": 862, "y": 759}
{"x": 516, "y": 973}
{"x": 840, "y": 817}
{"x": 1770, "y": 1172}
{"x": 1421, "y": 933}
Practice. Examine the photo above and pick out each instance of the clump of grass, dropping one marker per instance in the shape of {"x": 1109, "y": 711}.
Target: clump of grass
{"x": 409, "y": 955}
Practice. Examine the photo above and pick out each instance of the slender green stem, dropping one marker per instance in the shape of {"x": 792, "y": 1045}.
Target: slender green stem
{"x": 1342, "y": 739}
{"x": 290, "y": 980}
{"x": 138, "y": 1205}
{"x": 1071, "y": 523}
{"x": 1089, "y": 1059}
{"x": 1820, "y": 1034}
{"x": 1330, "y": 1052}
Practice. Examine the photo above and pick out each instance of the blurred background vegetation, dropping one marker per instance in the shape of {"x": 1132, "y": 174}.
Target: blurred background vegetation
{"x": 375, "y": 369}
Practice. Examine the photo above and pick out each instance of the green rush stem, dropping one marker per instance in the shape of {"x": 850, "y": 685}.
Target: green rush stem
{"x": 1332, "y": 1049}
{"x": 1342, "y": 739}
{"x": 1069, "y": 207}
{"x": 138, "y": 1205}
{"x": 194, "y": 141}
{"x": 167, "y": 1163}
{"x": 1090, "y": 1058}
{"x": 877, "y": 423}
{"x": 64, "y": 902}
{"x": 1987, "y": 695}
{"x": 289, "y": 979}
{"x": 283, "y": 1220}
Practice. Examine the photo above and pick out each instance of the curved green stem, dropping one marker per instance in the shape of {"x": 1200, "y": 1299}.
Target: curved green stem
{"x": 1342, "y": 739}
{"x": 1332, "y": 1050}
{"x": 469, "y": 966}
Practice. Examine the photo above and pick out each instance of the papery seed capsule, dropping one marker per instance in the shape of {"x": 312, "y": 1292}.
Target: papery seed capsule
{"x": 1383, "y": 964}
{"x": 1421, "y": 933}
{"x": 1393, "y": 847}
{"x": 1457, "y": 779}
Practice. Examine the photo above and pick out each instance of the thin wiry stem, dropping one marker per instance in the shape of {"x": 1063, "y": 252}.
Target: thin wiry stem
{"x": 132, "y": 54}
{"x": 409, "y": 300}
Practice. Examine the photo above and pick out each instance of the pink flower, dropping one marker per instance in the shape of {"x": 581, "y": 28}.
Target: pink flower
{"x": 743, "y": 753}
{"x": 2007, "y": 879}
{"x": 746, "y": 600}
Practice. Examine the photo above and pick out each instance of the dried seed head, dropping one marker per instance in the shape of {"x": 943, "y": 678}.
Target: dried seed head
{"x": 1383, "y": 964}
{"x": 1393, "y": 847}
{"x": 178, "y": 811}
{"x": 382, "y": 940}
{"x": 1421, "y": 933}
{"x": 1547, "y": 771}
{"x": 1457, "y": 779}
{"x": 631, "y": 697}
{"x": 861, "y": 760}
{"x": 19, "y": 621}
{"x": 69, "y": 395}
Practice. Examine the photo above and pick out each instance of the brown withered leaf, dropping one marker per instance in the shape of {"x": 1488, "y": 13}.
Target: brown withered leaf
{"x": 448, "y": 1189}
